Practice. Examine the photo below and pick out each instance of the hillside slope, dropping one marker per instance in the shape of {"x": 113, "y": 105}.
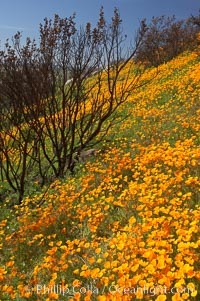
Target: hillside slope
{"x": 126, "y": 227}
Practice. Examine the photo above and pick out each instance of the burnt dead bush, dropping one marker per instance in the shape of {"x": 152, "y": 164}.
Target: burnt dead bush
{"x": 61, "y": 95}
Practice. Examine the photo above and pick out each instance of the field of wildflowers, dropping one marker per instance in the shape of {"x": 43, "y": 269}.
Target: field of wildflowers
{"x": 126, "y": 227}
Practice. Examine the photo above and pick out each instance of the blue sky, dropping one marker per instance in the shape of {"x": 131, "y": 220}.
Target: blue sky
{"x": 26, "y": 15}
